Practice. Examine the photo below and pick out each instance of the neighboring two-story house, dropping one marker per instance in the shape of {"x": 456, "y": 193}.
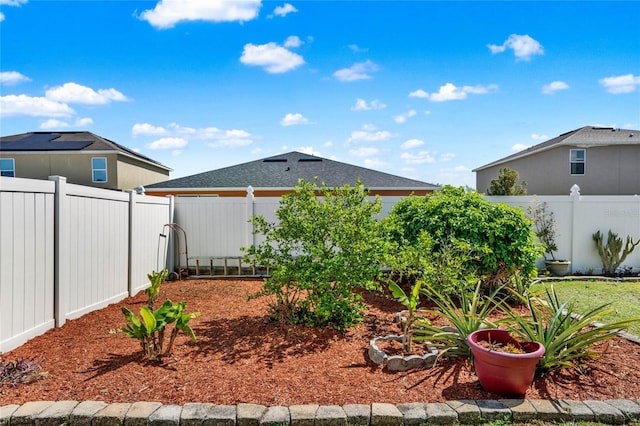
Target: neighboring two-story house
{"x": 600, "y": 160}
{"x": 82, "y": 157}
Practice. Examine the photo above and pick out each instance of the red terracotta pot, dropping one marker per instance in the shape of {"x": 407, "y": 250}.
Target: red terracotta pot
{"x": 504, "y": 373}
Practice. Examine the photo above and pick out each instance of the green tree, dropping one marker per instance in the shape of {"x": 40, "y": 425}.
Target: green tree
{"x": 506, "y": 183}
{"x": 499, "y": 241}
{"x": 326, "y": 244}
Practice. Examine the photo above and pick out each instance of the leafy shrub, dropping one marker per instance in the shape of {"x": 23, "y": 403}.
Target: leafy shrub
{"x": 22, "y": 370}
{"x": 568, "y": 336}
{"x": 155, "y": 279}
{"x": 444, "y": 269}
{"x": 500, "y": 239}
{"x": 149, "y": 328}
{"x": 320, "y": 251}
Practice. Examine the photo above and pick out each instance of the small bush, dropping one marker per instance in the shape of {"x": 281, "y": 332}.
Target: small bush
{"x": 149, "y": 328}
{"x": 322, "y": 249}
{"x": 499, "y": 238}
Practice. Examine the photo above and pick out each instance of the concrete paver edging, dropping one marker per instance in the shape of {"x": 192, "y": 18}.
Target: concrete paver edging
{"x": 97, "y": 413}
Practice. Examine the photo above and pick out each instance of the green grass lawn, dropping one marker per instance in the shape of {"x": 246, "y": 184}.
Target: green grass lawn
{"x": 624, "y": 297}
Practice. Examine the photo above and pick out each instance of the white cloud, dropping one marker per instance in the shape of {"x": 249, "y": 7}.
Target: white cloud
{"x": 12, "y": 105}
{"x": 10, "y": 78}
{"x": 539, "y": 137}
{"x": 1, "y": 16}
{"x": 627, "y": 83}
{"x": 147, "y": 129}
{"x": 219, "y": 137}
{"x": 419, "y": 94}
{"x": 82, "y": 122}
{"x": 58, "y": 124}
{"x": 519, "y": 147}
{"x": 167, "y": 13}
{"x": 296, "y": 119}
{"x": 308, "y": 150}
{"x": 274, "y": 58}
{"x": 52, "y": 123}
{"x": 359, "y": 71}
{"x": 554, "y": 86}
{"x": 451, "y": 92}
{"x": 447, "y": 156}
{"x": 523, "y": 46}
{"x": 375, "y": 163}
{"x": 293, "y": 41}
{"x": 412, "y": 143}
{"x": 224, "y": 138}
{"x": 369, "y": 127}
{"x": 13, "y": 2}
{"x": 364, "y": 152}
{"x": 175, "y": 134}
{"x": 78, "y": 94}
{"x": 357, "y": 49}
{"x": 284, "y": 10}
{"x": 422, "y": 157}
{"x": 370, "y": 134}
{"x": 168, "y": 143}
{"x": 402, "y": 118}
{"x": 362, "y": 105}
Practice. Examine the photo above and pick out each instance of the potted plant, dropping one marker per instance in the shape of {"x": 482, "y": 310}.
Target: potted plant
{"x": 503, "y": 365}
{"x": 546, "y": 229}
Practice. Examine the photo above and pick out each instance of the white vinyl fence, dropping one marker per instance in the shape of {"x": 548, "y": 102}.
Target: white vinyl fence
{"x": 578, "y": 217}
{"x": 66, "y": 250}
{"x": 219, "y": 227}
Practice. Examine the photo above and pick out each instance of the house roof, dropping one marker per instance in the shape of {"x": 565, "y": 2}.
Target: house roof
{"x": 67, "y": 142}
{"x": 284, "y": 171}
{"x": 583, "y": 137}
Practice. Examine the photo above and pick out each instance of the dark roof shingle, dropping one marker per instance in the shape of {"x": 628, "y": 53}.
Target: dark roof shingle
{"x": 284, "y": 171}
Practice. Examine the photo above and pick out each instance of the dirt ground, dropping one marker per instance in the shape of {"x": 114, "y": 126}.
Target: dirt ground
{"x": 242, "y": 357}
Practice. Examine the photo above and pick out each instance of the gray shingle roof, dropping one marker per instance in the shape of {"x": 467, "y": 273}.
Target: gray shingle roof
{"x": 284, "y": 170}
{"x": 66, "y": 141}
{"x": 583, "y": 137}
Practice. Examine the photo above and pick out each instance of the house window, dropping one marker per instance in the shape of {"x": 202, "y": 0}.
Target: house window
{"x": 577, "y": 161}
{"x": 7, "y": 167}
{"x": 99, "y": 169}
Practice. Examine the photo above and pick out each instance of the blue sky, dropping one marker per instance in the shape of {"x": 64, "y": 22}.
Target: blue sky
{"x": 421, "y": 89}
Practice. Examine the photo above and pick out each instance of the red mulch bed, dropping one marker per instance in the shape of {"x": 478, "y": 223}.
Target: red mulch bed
{"x": 242, "y": 357}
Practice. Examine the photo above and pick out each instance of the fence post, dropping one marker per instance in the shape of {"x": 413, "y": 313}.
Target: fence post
{"x": 575, "y": 205}
{"x": 132, "y": 208}
{"x": 61, "y": 251}
{"x": 170, "y": 254}
{"x": 250, "y": 211}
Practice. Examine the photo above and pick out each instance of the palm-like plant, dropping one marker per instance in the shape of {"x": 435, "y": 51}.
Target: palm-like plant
{"x": 466, "y": 315}
{"x": 566, "y": 335}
